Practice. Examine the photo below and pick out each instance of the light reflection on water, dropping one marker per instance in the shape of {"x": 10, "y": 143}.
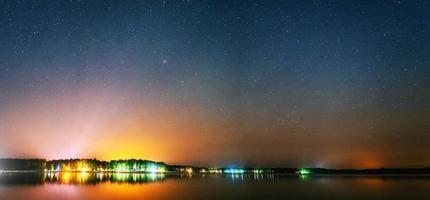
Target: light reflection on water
{"x": 100, "y": 177}
{"x": 79, "y": 178}
{"x": 78, "y": 185}
{"x": 93, "y": 178}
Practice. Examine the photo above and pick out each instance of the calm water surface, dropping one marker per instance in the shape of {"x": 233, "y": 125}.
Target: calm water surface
{"x": 248, "y": 186}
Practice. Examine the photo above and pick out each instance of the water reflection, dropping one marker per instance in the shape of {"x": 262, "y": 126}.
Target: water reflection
{"x": 248, "y": 176}
{"x": 93, "y": 178}
{"x": 78, "y": 185}
{"x": 79, "y": 178}
{"x": 304, "y": 176}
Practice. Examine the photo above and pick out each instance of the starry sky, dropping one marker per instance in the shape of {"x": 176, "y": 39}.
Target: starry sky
{"x": 217, "y": 83}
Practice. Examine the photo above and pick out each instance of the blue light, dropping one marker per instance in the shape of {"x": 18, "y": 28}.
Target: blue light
{"x": 234, "y": 171}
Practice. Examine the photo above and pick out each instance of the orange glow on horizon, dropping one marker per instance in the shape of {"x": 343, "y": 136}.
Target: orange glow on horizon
{"x": 97, "y": 123}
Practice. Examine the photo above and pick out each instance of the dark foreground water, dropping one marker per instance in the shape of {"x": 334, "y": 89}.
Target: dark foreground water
{"x": 247, "y": 186}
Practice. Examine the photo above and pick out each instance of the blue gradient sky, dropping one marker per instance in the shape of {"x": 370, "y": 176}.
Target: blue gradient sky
{"x": 267, "y": 83}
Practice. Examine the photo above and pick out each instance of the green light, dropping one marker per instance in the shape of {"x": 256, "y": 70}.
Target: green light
{"x": 304, "y": 176}
{"x": 303, "y": 171}
{"x": 121, "y": 167}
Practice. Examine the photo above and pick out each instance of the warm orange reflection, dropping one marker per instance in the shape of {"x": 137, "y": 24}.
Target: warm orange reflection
{"x": 372, "y": 181}
{"x": 93, "y": 178}
{"x": 76, "y": 185}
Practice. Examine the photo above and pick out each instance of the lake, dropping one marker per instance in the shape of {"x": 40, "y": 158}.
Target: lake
{"x": 76, "y": 185}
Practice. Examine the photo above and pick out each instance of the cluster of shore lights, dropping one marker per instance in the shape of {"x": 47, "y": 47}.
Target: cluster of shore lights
{"x": 211, "y": 171}
{"x": 303, "y": 171}
{"x": 121, "y": 167}
{"x": 234, "y": 171}
{"x": 80, "y": 166}
{"x": 215, "y": 171}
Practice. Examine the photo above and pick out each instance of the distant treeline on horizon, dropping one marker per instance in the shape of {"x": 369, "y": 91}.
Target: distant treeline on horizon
{"x": 139, "y": 165}
{"x": 17, "y": 164}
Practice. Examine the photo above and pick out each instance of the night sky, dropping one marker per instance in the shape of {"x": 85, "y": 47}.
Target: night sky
{"x": 217, "y": 83}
